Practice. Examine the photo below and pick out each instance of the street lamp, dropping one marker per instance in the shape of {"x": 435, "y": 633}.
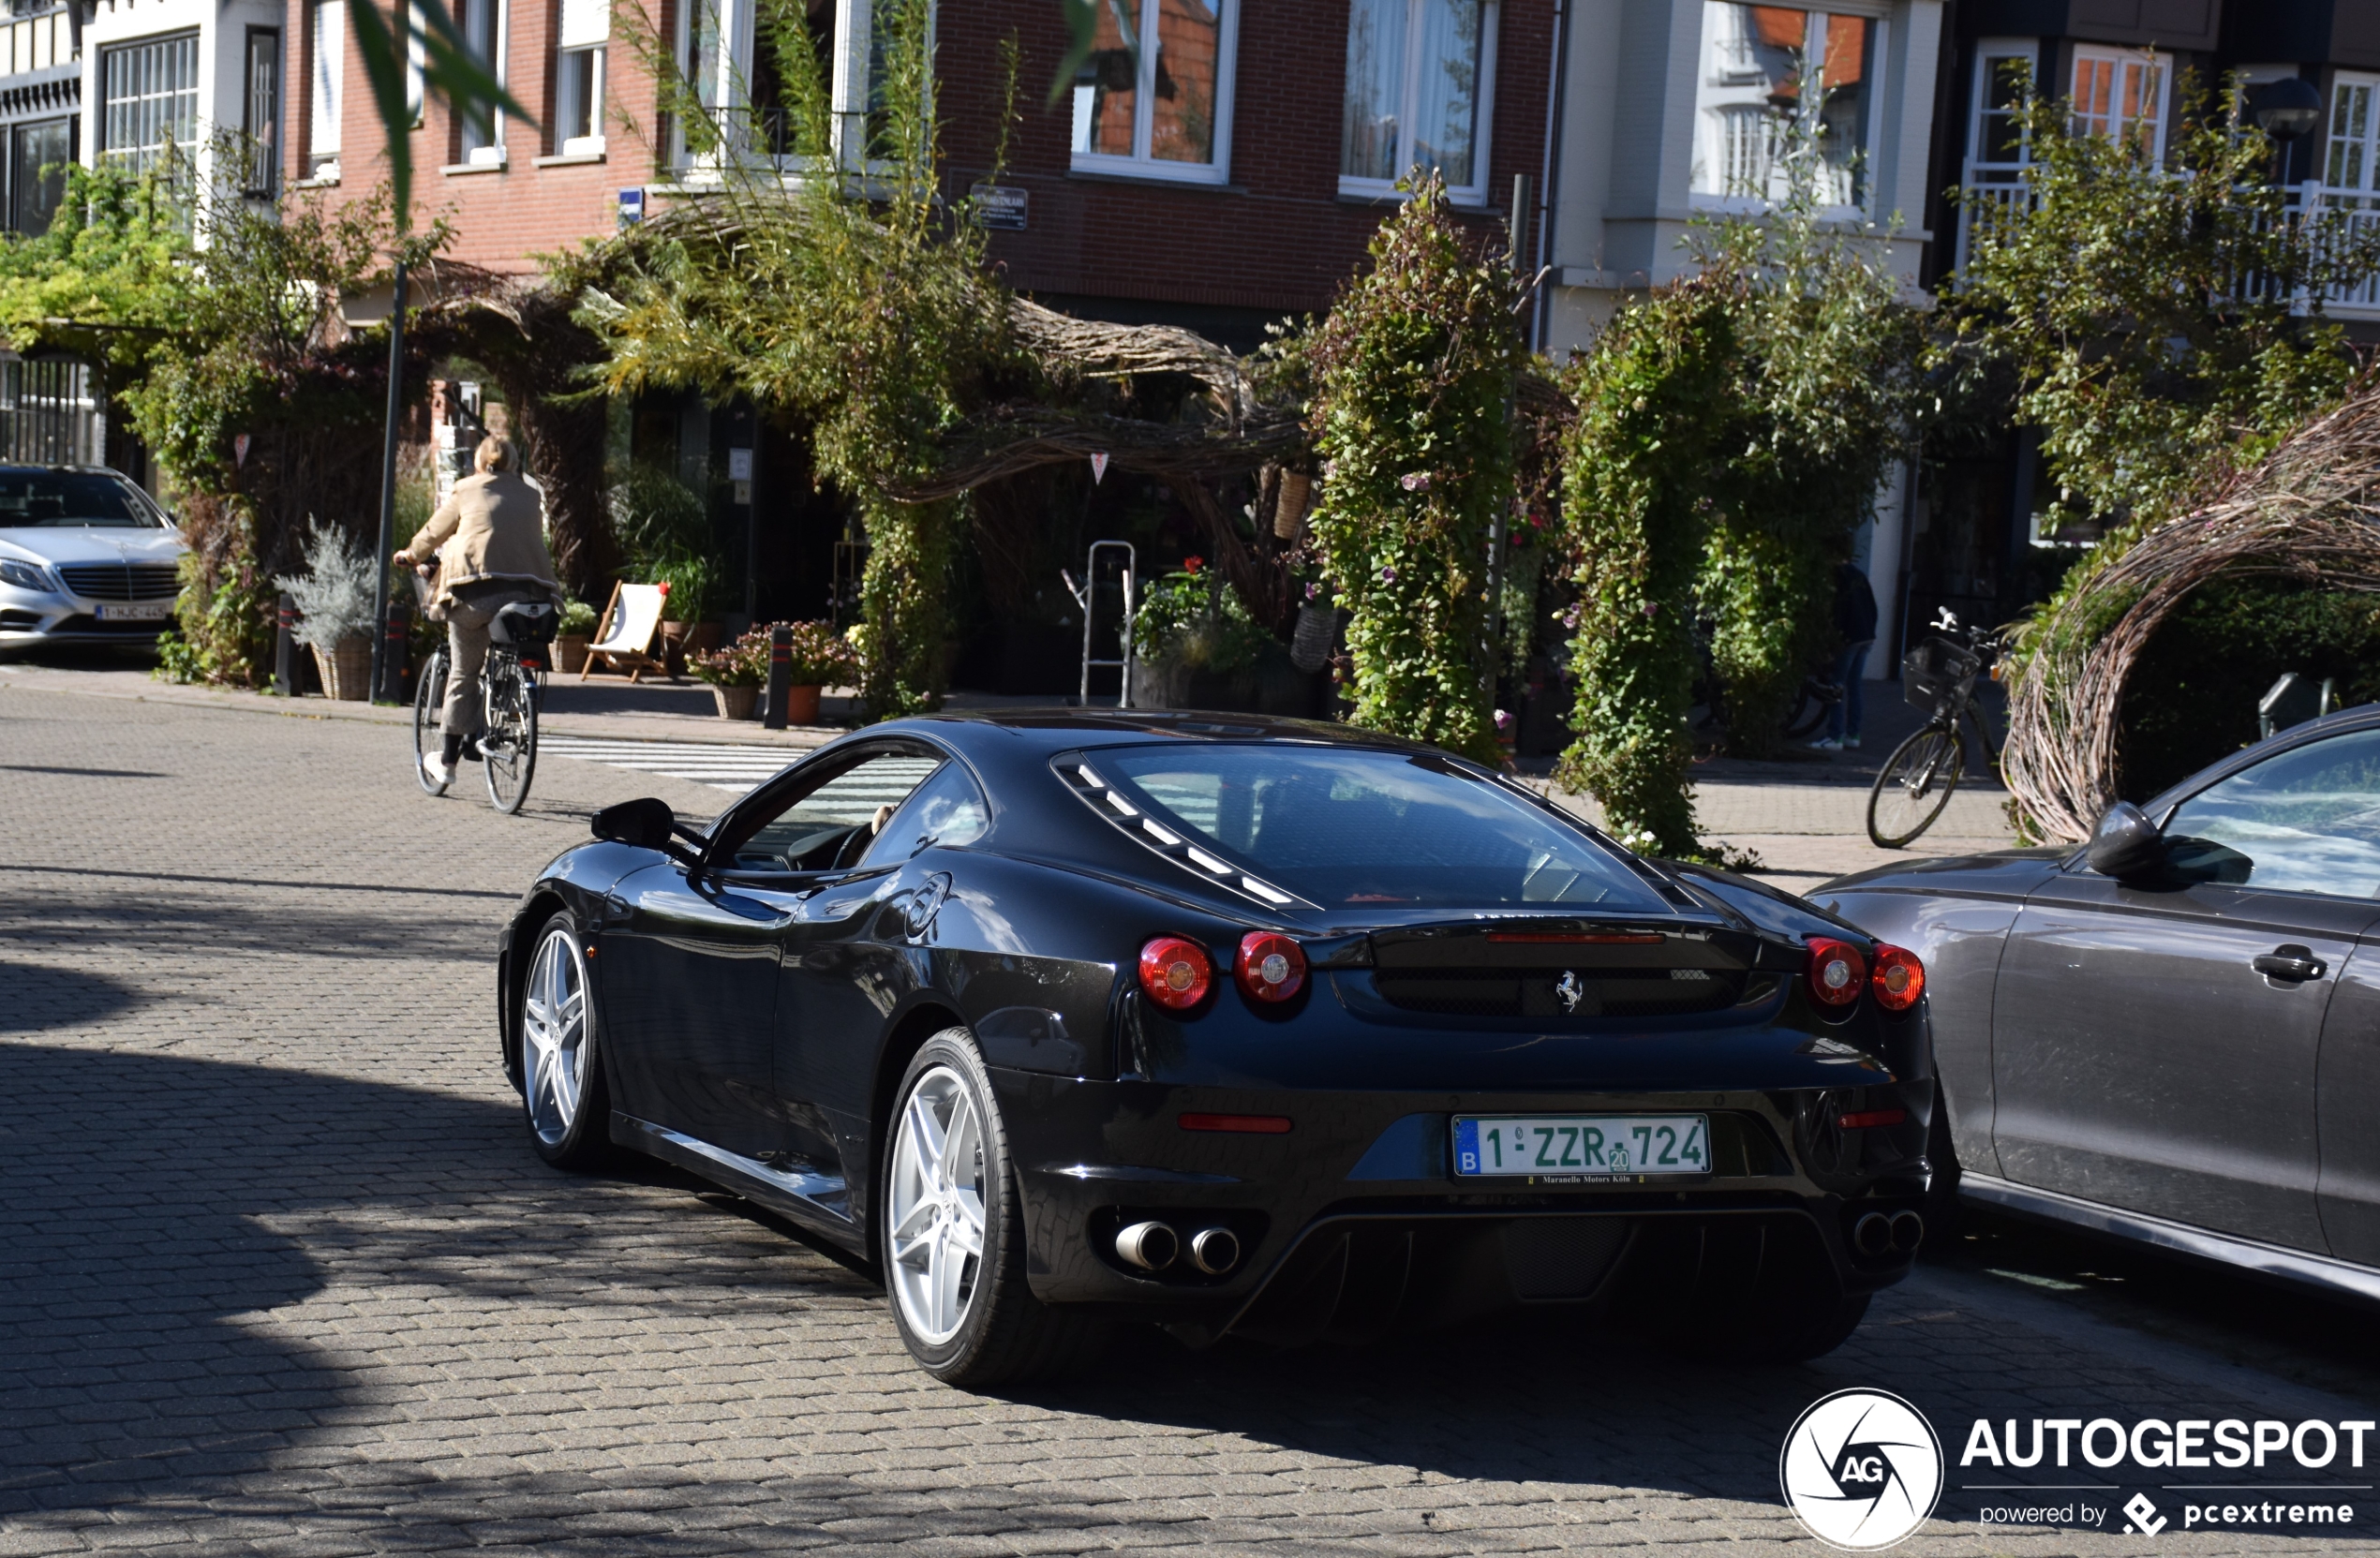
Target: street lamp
{"x": 2286, "y": 108}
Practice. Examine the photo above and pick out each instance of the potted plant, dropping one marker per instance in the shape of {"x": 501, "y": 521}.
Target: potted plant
{"x": 575, "y": 632}
{"x": 335, "y": 601}
{"x": 689, "y": 627}
{"x": 821, "y": 657}
{"x": 734, "y": 674}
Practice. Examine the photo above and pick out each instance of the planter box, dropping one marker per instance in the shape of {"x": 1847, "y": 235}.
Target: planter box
{"x": 347, "y": 671}
{"x": 570, "y": 654}
{"x": 1273, "y": 686}
{"x": 736, "y": 703}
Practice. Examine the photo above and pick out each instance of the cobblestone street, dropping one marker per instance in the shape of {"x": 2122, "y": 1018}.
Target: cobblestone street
{"x": 278, "y": 1276}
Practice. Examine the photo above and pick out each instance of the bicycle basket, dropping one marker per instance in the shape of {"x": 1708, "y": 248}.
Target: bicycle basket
{"x": 1937, "y": 672}
{"x": 525, "y": 625}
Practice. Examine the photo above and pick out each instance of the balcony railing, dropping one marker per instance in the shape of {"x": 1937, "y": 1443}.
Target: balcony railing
{"x": 1996, "y": 192}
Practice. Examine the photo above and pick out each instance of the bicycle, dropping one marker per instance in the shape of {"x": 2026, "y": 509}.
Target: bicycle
{"x": 1819, "y": 693}
{"x": 512, "y": 693}
{"x": 1916, "y": 782}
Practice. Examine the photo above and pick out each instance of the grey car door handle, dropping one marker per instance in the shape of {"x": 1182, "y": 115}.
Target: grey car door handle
{"x": 2291, "y": 962}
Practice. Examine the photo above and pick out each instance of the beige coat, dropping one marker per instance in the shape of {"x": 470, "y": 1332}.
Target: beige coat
{"x": 493, "y": 528}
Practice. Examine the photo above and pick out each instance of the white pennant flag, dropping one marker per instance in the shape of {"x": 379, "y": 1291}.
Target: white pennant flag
{"x": 1098, "y": 466}
{"x": 240, "y": 449}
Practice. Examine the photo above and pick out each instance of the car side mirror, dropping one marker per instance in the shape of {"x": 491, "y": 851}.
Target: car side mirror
{"x": 644, "y": 823}
{"x": 2126, "y": 843}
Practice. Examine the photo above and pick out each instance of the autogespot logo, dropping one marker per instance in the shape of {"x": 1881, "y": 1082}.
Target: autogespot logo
{"x": 1861, "y": 1469}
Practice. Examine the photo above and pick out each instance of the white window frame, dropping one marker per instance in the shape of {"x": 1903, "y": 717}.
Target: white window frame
{"x": 326, "y": 83}
{"x": 592, "y": 40}
{"x": 847, "y": 83}
{"x": 1483, "y": 135}
{"x": 566, "y": 107}
{"x": 492, "y": 154}
{"x": 2370, "y": 84}
{"x": 1141, "y": 163}
{"x": 1880, "y": 54}
{"x": 1991, "y": 54}
{"x": 2121, "y": 59}
{"x": 141, "y": 158}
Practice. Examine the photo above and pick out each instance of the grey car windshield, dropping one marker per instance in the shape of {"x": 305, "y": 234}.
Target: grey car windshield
{"x": 1369, "y": 827}
{"x": 59, "y": 499}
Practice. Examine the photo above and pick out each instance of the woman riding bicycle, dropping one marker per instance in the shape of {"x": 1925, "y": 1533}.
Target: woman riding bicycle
{"x": 490, "y": 539}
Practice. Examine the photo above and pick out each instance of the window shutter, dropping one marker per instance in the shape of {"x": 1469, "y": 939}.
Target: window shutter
{"x": 586, "y": 21}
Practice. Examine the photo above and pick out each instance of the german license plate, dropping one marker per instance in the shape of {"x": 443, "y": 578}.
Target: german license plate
{"x": 1581, "y": 1145}
{"x": 135, "y": 611}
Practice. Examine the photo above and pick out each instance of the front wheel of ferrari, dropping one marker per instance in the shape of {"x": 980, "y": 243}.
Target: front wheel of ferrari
{"x": 563, "y": 1092}
{"x": 953, "y": 1240}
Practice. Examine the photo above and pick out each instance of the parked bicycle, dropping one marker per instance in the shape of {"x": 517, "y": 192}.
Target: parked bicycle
{"x": 1819, "y": 693}
{"x": 1938, "y": 676}
{"x": 513, "y": 691}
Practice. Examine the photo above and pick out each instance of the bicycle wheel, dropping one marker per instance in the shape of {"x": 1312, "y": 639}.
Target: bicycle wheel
{"x": 508, "y": 749}
{"x": 1914, "y": 786}
{"x": 1810, "y": 712}
{"x": 426, "y": 699}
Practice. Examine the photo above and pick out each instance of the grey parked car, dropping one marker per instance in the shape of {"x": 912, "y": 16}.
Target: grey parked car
{"x": 86, "y": 556}
{"x": 2172, "y": 1034}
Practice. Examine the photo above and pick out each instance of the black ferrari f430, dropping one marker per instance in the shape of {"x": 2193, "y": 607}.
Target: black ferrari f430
{"x": 1236, "y": 1026}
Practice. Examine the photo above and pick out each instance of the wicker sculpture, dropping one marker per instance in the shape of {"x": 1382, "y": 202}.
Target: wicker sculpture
{"x": 2309, "y": 510}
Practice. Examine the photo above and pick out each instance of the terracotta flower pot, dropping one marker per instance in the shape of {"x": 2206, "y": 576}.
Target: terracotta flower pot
{"x": 345, "y": 670}
{"x": 801, "y": 705}
{"x": 673, "y": 646}
{"x": 702, "y": 638}
{"x": 736, "y": 703}
{"x": 570, "y": 653}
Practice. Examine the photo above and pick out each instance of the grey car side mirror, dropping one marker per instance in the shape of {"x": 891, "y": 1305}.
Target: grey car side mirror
{"x": 2126, "y": 843}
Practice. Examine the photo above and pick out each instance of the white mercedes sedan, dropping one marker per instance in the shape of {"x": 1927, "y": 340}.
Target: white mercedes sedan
{"x": 86, "y": 556}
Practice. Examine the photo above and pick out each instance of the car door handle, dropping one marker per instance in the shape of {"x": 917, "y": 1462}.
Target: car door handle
{"x": 2291, "y": 962}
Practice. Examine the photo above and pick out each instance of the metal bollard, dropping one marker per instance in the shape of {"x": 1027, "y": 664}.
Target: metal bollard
{"x": 284, "y": 646}
{"x": 780, "y": 667}
{"x": 394, "y": 654}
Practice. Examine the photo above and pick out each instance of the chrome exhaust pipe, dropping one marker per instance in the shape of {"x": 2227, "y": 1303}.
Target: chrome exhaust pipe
{"x": 1150, "y": 1246}
{"x": 1872, "y": 1235}
{"x": 1215, "y": 1251}
{"x": 1909, "y": 1231}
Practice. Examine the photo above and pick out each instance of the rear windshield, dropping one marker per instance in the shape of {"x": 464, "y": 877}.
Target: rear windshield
{"x": 62, "y": 498}
{"x": 1366, "y": 827}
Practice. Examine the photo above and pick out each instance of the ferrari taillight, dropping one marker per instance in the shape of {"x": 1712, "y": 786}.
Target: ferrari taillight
{"x": 1271, "y": 968}
{"x": 1175, "y": 973}
{"x": 1898, "y": 979}
{"x": 1837, "y": 970}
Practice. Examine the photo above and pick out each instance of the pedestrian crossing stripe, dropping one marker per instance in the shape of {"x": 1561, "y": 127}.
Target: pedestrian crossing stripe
{"x": 736, "y": 769}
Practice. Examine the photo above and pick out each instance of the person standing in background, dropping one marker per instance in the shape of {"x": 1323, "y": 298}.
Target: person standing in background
{"x": 1856, "y": 630}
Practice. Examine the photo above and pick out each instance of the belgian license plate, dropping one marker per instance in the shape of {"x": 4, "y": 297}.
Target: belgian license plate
{"x": 135, "y": 611}
{"x": 1584, "y": 1147}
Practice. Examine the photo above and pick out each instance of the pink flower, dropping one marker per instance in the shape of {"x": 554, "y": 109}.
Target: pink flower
{"x": 1415, "y": 481}
{"x": 1652, "y": 606}
{"x": 1388, "y": 576}
{"x": 1503, "y": 720}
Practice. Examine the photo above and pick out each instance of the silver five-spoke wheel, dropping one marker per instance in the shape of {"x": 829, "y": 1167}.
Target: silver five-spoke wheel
{"x": 937, "y": 1206}
{"x": 554, "y": 1047}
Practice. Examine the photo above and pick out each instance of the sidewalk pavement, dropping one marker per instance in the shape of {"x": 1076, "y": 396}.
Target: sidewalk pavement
{"x": 1805, "y": 815}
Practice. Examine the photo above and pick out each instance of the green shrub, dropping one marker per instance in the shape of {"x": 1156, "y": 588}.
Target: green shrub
{"x": 1190, "y": 617}
{"x": 1653, "y": 402}
{"x": 1414, "y": 374}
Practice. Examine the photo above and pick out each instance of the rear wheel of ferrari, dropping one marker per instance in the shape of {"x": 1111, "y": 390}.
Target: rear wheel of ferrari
{"x": 953, "y": 1238}
{"x": 562, "y": 1093}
